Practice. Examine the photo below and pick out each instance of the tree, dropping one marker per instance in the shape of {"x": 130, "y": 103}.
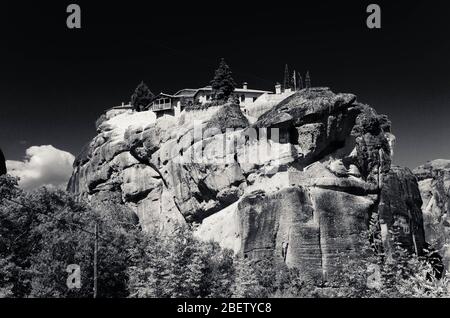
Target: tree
{"x": 294, "y": 80}
{"x": 45, "y": 231}
{"x": 141, "y": 97}
{"x": 246, "y": 283}
{"x": 179, "y": 265}
{"x": 223, "y": 84}
{"x": 287, "y": 79}
{"x": 307, "y": 80}
{"x": 300, "y": 82}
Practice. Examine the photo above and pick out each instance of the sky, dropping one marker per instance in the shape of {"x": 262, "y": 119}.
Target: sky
{"x": 55, "y": 82}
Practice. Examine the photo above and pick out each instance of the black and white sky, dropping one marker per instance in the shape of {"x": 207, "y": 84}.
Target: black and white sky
{"x": 55, "y": 82}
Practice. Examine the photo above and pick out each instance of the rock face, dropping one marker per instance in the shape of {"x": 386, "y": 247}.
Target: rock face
{"x": 300, "y": 183}
{"x": 434, "y": 184}
{"x": 2, "y": 163}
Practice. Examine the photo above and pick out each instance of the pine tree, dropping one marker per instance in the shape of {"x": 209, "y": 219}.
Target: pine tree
{"x": 223, "y": 84}
{"x": 287, "y": 80}
{"x": 308, "y": 80}
{"x": 141, "y": 97}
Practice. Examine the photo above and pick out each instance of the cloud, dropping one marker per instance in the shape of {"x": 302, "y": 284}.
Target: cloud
{"x": 42, "y": 166}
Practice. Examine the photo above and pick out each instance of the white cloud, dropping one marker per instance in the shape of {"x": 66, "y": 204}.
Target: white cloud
{"x": 42, "y": 166}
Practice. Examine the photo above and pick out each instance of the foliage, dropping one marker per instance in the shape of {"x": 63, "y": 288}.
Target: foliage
{"x": 367, "y": 273}
{"x": 287, "y": 80}
{"x": 307, "y": 80}
{"x": 141, "y": 97}
{"x": 203, "y": 106}
{"x": 223, "y": 84}
{"x": 246, "y": 283}
{"x": 370, "y": 274}
{"x": 43, "y": 232}
{"x": 180, "y": 266}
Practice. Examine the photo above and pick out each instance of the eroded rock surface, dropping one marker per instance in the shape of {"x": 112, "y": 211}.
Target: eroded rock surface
{"x": 434, "y": 184}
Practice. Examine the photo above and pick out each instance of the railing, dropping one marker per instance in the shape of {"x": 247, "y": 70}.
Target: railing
{"x": 159, "y": 107}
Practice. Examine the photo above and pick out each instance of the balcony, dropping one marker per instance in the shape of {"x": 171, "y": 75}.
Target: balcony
{"x": 160, "y": 105}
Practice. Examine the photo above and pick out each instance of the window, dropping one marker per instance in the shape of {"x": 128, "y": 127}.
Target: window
{"x": 242, "y": 98}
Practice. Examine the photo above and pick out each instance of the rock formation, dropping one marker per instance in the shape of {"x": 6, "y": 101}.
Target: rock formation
{"x": 2, "y": 163}
{"x": 300, "y": 183}
{"x": 434, "y": 184}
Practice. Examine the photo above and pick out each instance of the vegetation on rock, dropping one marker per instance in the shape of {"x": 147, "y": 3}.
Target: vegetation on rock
{"x": 141, "y": 97}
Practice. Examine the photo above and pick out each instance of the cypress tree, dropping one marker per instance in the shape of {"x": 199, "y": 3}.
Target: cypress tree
{"x": 294, "y": 80}
{"x": 308, "y": 80}
{"x": 300, "y": 82}
{"x": 287, "y": 80}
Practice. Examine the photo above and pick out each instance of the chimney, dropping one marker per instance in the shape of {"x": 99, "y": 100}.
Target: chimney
{"x": 278, "y": 88}
{"x": 245, "y": 85}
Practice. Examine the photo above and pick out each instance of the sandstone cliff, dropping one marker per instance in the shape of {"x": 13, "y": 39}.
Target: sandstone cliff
{"x": 300, "y": 183}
